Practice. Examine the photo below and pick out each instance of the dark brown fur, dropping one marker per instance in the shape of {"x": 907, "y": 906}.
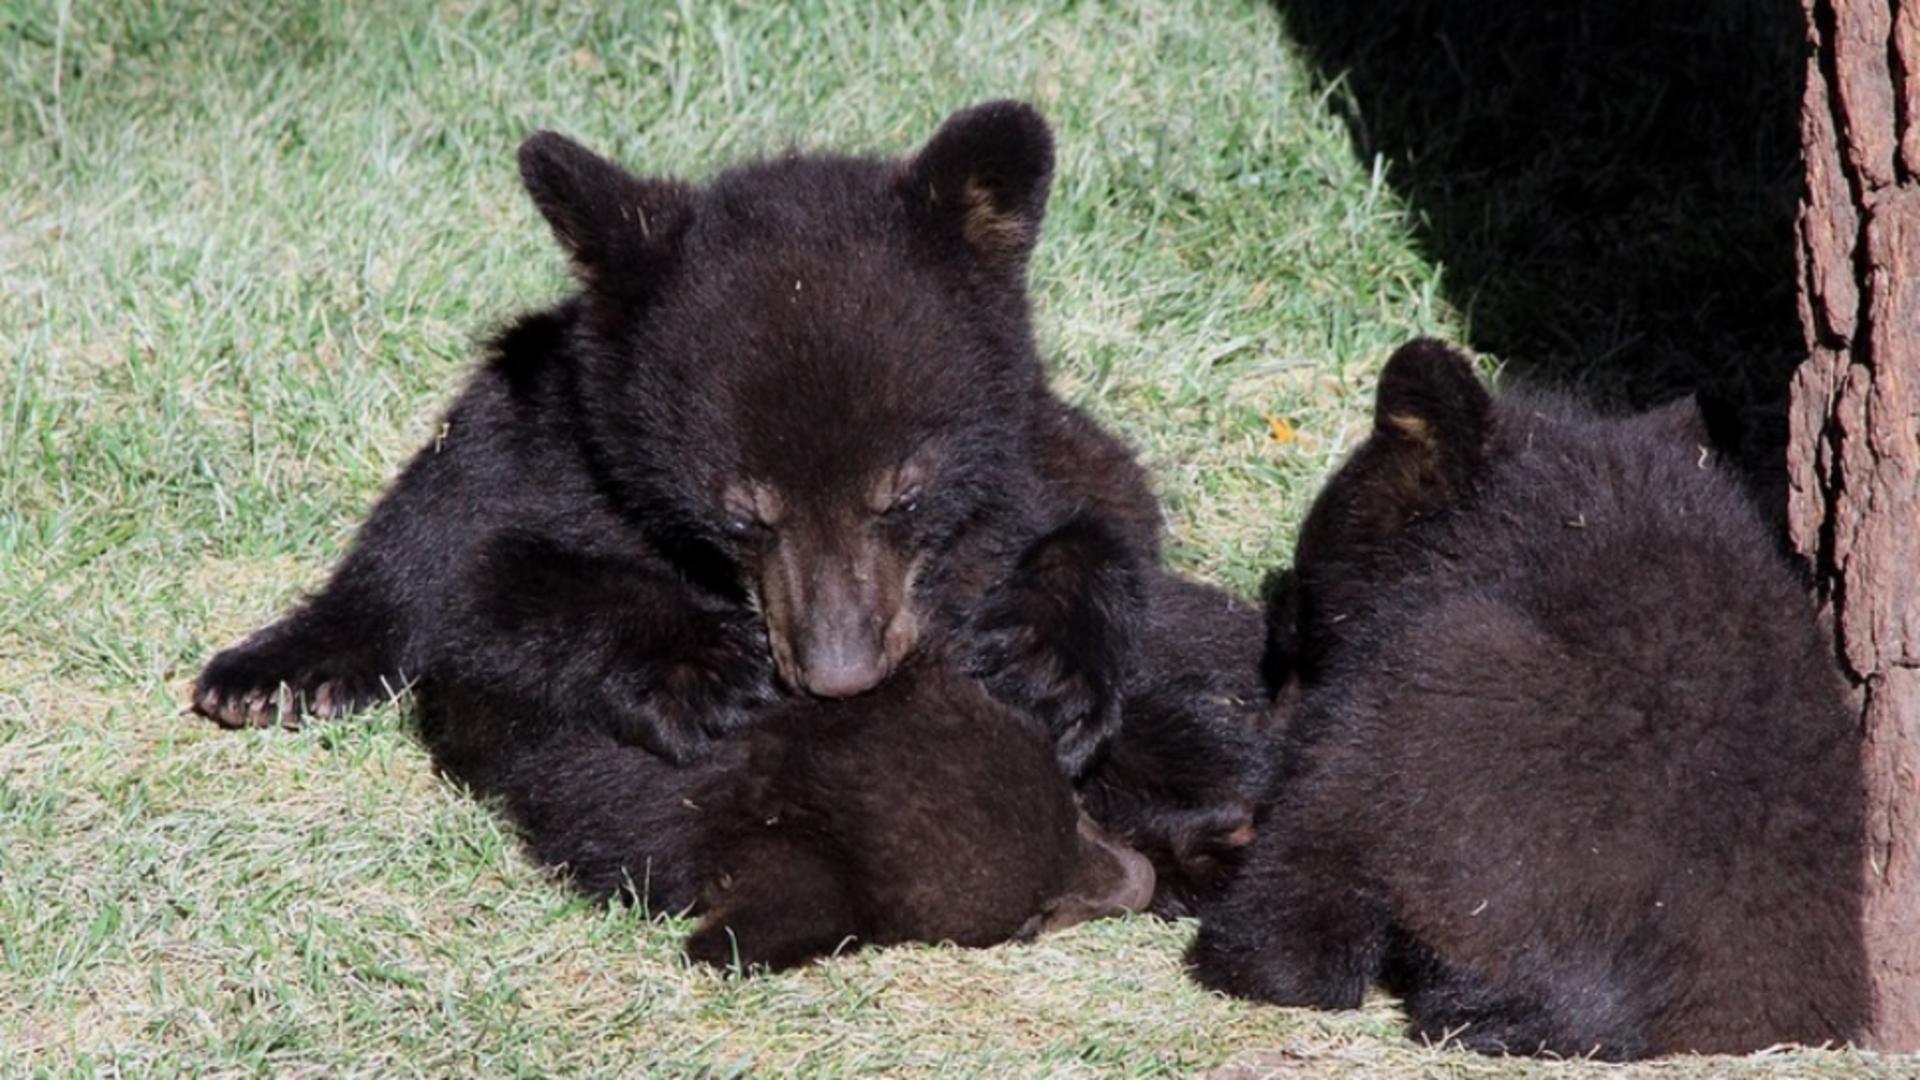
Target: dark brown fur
{"x": 791, "y": 433}
{"x": 1571, "y": 768}
{"x": 923, "y": 811}
{"x": 1181, "y": 780}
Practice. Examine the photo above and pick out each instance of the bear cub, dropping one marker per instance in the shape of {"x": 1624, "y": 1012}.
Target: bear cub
{"x": 1570, "y": 768}
{"x": 789, "y": 438}
{"x": 791, "y": 424}
{"x": 921, "y": 811}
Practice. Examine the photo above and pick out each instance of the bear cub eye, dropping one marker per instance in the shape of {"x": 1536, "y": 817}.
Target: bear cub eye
{"x": 904, "y": 503}
{"x": 744, "y": 527}
{"x": 751, "y": 510}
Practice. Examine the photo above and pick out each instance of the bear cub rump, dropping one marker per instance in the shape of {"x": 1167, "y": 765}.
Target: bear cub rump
{"x": 1571, "y": 768}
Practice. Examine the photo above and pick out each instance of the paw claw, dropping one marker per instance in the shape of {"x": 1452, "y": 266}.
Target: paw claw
{"x": 279, "y": 677}
{"x": 260, "y": 707}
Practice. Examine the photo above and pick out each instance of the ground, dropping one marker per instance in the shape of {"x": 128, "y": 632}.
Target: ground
{"x": 245, "y": 252}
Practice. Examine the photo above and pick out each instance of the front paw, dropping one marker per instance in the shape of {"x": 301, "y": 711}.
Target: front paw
{"x": 1053, "y": 639}
{"x": 268, "y": 685}
{"x": 1066, "y": 685}
{"x": 1280, "y": 967}
{"x": 702, "y": 694}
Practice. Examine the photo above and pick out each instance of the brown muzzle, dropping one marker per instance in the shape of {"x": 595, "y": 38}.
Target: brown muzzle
{"x": 839, "y": 615}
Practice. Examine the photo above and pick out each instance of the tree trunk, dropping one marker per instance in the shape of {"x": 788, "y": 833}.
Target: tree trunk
{"x": 1854, "y": 461}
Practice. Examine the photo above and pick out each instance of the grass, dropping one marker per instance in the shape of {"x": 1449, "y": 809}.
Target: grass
{"x": 245, "y": 251}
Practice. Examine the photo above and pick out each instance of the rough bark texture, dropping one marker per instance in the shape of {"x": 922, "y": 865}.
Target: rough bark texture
{"x": 1854, "y": 461}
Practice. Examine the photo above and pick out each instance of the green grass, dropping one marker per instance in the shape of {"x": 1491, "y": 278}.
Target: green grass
{"x": 245, "y": 251}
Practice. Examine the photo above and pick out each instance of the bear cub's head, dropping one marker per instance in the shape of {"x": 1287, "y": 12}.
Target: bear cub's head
{"x": 1438, "y": 433}
{"x": 818, "y": 367}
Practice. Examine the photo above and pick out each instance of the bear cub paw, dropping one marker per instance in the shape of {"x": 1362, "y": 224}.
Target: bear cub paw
{"x": 279, "y": 685}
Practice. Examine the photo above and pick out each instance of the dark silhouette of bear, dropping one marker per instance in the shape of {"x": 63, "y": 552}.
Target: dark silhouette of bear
{"x": 1570, "y": 768}
{"x": 791, "y": 431}
{"x": 921, "y": 811}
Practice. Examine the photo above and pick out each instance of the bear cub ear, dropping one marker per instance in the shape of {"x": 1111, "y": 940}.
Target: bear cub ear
{"x": 601, "y": 213}
{"x": 1430, "y": 397}
{"x": 1431, "y": 420}
{"x": 983, "y": 179}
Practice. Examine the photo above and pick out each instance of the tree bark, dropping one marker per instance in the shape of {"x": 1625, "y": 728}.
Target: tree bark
{"x": 1854, "y": 457}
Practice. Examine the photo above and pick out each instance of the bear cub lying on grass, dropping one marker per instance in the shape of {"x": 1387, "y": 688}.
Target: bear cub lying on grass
{"x": 791, "y": 434}
{"x": 921, "y": 811}
{"x": 1570, "y": 769}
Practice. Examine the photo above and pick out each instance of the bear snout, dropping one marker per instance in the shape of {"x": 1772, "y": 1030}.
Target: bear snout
{"x": 838, "y": 610}
{"x": 840, "y": 655}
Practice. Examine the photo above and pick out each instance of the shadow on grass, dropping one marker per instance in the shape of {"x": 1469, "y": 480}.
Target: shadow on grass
{"x": 1610, "y": 187}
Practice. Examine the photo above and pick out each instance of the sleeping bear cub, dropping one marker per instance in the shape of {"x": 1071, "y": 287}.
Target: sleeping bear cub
{"x": 921, "y": 811}
{"x": 1570, "y": 770}
{"x": 790, "y": 441}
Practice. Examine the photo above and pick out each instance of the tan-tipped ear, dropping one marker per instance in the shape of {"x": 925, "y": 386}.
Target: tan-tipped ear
{"x": 983, "y": 179}
{"x": 1431, "y": 420}
{"x": 1430, "y": 396}
{"x": 599, "y": 211}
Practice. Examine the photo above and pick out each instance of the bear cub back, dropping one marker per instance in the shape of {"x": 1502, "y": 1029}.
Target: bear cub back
{"x": 921, "y": 811}
{"x": 1571, "y": 768}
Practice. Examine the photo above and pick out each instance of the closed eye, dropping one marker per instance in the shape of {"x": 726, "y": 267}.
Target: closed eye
{"x": 741, "y": 527}
{"x": 750, "y": 511}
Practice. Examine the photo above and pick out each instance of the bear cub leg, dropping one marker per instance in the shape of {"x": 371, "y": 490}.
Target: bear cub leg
{"x": 1052, "y": 640}
{"x": 789, "y": 906}
{"x": 1301, "y": 933}
{"x": 327, "y": 658}
{"x": 553, "y": 633}
{"x": 1581, "y": 1013}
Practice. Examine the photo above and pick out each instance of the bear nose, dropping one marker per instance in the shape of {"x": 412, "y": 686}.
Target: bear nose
{"x": 842, "y": 669}
{"x": 836, "y": 645}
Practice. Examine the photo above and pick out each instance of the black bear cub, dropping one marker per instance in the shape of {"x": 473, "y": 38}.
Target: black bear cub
{"x": 790, "y": 434}
{"x": 921, "y": 811}
{"x": 1570, "y": 768}
{"x": 792, "y": 424}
